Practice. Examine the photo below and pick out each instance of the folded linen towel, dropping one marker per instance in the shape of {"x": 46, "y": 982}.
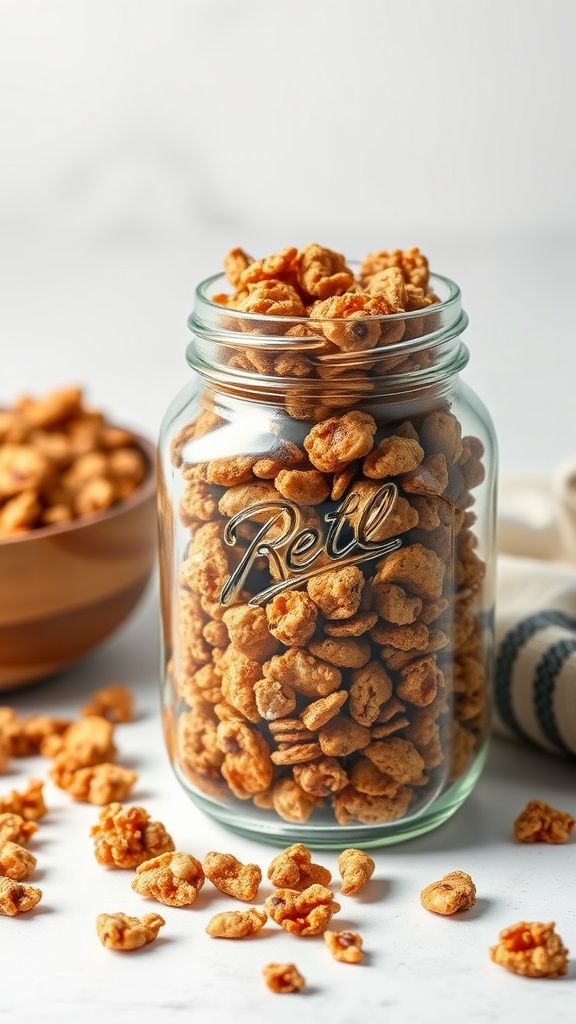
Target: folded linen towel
{"x": 535, "y": 679}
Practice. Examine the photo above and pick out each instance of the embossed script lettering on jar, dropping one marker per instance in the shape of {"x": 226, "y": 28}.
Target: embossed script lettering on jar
{"x": 350, "y": 538}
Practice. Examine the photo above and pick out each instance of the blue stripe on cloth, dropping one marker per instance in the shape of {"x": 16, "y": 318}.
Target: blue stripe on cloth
{"x": 545, "y": 680}
{"x": 508, "y": 652}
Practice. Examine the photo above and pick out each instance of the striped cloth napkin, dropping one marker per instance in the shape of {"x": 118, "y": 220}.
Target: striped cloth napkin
{"x": 535, "y": 681}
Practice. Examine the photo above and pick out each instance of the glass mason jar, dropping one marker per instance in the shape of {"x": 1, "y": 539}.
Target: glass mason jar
{"x": 327, "y": 507}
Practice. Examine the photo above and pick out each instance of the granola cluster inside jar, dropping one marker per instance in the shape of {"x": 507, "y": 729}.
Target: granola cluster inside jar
{"x": 327, "y": 529}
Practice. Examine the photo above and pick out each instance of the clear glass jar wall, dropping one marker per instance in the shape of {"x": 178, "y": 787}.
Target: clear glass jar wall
{"x": 327, "y": 516}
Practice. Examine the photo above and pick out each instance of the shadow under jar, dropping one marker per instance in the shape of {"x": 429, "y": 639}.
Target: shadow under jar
{"x": 327, "y": 524}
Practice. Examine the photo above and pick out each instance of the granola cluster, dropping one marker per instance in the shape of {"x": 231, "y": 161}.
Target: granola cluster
{"x": 60, "y": 461}
{"x": 19, "y": 813}
{"x": 82, "y": 752}
{"x": 329, "y": 656}
{"x": 453, "y": 892}
{"x": 540, "y": 823}
{"x": 532, "y": 949}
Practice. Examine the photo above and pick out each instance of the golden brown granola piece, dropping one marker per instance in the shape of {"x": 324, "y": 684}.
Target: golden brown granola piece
{"x": 123, "y": 932}
{"x": 29, "y": 804}
{"x": 356, "y": 625}
{"x": 35, "y": 731}
{"x": 393, "y": 456}
{"x": 236, "y": 924}
{"x": 291, "y": 802}
{"x": 396, "y": 757}
{"x": 540, "y": 823}
{"x": 16, "y": 829}
{"x": 370, "y": 687}
{"x": 230, "y": 876}
{"x": 420, "y": 682}
{"x": 171, "y": 878}
{"x": 98, "y": 784}
{"x": 441, "y": 432}
{"x": 239, "y": 675}
{"x": 323, "y": 272}
{"x": 411, "y": 262}
{"x": 337, "y": 441}
{"x": 416, "y": 568}
{"x": 114, "y": 702}
{"x": 125, "y": 837}
{"x": 349, "y": 320}
{"x": 207, "y": 566}
{"x": 274, "y": 699}
{"x": 197, "y": 748}
{"x": 236, "y": 261}
{"x": 531, "y": 949}
{"x": 229, "y": 471}
{"x": 296, "y": 753}
{"x": 246, "y": 767}
{"x": 292, "y": 618}
{"x": 290, "y": 730}
{"x": 344, "y": 652}
{"x": 15, "y": 861}
{"x": 394, "y": 605}
{"x": 337, "y": 592}
{"x": 304, "y": 673}
{"x": 453, "y": 892}
{"x": 284, "y": 455}
{"x": 321, "y": 711}
{"x": 429, "y": 478}
{"x": 411, "y": 637}
{"x": 90, "y": 740}
{"x": 350, "y": 805}
{"x": 273, "y": 298}
{"x": 20, "y": 514}
{"x": 356, "y": 869}
{"x": 16, "y": 898}
{"x": 248, "y": 631}
{"x": 390, "y": 284}
{"x": 345, "y": 946}
{"x": 342, "y": 736}
{"x": 23, "y": 468}
{"x": 303, "y": 486}
{"x": 367, "y": 778}
{"x": 320, "y": 777}
{"x": 302, "y": 913}
{"x": 283, "y": 977}
{"x": 293, "y": 868}
{"x": 274, "y": 267}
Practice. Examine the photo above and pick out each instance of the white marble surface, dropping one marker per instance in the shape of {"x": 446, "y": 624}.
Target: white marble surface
{"x": 417, "y": 966}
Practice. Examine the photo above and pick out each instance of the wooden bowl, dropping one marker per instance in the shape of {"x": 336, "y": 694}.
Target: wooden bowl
{"x": 64, "y": 588}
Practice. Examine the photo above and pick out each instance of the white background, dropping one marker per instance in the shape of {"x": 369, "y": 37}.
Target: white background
{"x": 139, "y": 139}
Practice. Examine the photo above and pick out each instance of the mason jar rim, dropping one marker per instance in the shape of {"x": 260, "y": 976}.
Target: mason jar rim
{"x": 206, "y": 313}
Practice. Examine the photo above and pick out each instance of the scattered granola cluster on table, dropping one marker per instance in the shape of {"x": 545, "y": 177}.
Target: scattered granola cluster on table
{"x": 453, "y": 892}
{"x": 302, "y": 901}
{"x": 82, "y": 752}
{"x": 540, "y": 823}
{"x": 357, "y": 688}
{"x": 81, "y": 755}
{"x": 61, "y": 461}
{"x": 531, "y": 948}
